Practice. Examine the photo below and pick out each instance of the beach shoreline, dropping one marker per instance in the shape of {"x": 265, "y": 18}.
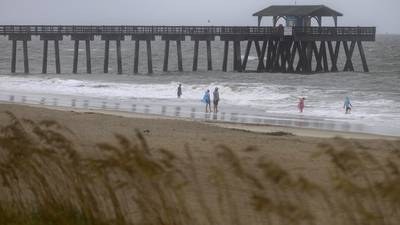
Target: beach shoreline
{"x": 248, "y": 127}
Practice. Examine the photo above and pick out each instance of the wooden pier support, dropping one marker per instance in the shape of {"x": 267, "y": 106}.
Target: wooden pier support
{"x": 334, "y": 53}
{"x": 149, "y": 57}
{"x": 24, "y": 38}
{"x": 88, "y": 61}
{"x": 270, "y": 55}
{"x": 148, "y": 39}
{"x": 106, "y": 55}
{"x": 206, "y": 38}
{"x": 225, "y": 60}
{"x": 119, "y": 57}
{"x": 349, "y": 55}
{"x": 57, "y": 56}
{"x": 45, "y": 50}
{"x": 46, "y": 38}
{"x": 362, "y": 55}
{"x": 246, "y": 54}
{"x": 209, "y": 56}
{"x": 75, "y": 60}
{"x": 237, "y": 60}
{"x": 261, "y": 55}
{"x": 82, "y": 37}
{"x": 136, "y": 57}
{"x": 14, "y": 56}
{"x": 178, "y": 39}
{"x": 117, "y": 38}
{"x": 196, "y": 55}
{"x": 166, "y": 56}
{"x": 26, "y": 62}
{"x": 179, "y": 50}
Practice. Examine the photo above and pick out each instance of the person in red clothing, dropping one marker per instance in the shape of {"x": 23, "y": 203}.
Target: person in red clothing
{"x": 301, "y": 104}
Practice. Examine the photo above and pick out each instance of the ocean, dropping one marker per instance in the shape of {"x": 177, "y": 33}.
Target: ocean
{"x": 269, "y": 98}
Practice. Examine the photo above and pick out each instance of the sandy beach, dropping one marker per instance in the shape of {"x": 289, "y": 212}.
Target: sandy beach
{"x": 291, "y": 146}
{"x": 216, "y": 147}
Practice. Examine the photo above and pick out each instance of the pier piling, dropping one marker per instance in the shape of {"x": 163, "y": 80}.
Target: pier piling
{"x": 207, "y": 39}
{"x": 119, "y": 57}
{"x": 246, "y": 54}
{"x": 209, "y": 56}
{"x": 57, "y": 55}
{"x": 149, "y": 57}
{"x": 26, "y": 62}
{"x": 46, "y": 38}
{"x": 117, "y": 38}
{"x": 298, "y": 50}
{"x": 349, "y": 55}
{"x": 106, "y": 55}
{"x": 88, "y": 61}
{"x": 136, "y": 57}
{"x": 363, "y": 58}
{"x": 14, "y": 56}
{"x": 179, "y": 50}
{"x": 225, "y": 60}
{"x": 75, "y": 61}
{"x": 195, "y": 55}
{"x": 166, "y": 56}
{"x": 82, "y": 37}
{"x": 148, "y": 38}
{"x": 45, "y": 47}
{"x": 178, "y": 38}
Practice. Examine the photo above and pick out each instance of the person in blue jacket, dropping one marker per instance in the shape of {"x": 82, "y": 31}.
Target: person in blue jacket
{"x": 207, "y": 100}
{"x": 347, "y": 105}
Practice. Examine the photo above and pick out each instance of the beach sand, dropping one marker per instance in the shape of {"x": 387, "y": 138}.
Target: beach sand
{"x": 290, "y": 147}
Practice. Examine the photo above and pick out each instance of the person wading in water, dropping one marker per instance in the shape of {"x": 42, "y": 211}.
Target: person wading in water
{"x": 207, "y": 100}
{"x": 216, "y": 99}
{"x": 301, "y": 104}
{"x": 179, "y": 92}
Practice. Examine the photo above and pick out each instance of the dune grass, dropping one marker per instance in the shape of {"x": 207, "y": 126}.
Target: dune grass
{"x": 46, "y": 179}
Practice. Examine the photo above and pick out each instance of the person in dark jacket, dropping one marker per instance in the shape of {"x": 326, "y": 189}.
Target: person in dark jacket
{"x": 216, "y": 99}
{"x": 179, "y": 92}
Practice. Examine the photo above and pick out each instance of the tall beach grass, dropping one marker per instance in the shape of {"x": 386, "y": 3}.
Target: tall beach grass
{"x": 45, "y": 178}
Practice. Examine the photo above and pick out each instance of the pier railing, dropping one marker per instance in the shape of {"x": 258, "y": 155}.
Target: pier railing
{"x": 131, "y": 30}
{"x": 366, "y": 33}
{"x": 335, "y": 33}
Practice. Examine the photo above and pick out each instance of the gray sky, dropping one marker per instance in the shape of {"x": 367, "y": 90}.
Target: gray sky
{"x": 384, "y": 14}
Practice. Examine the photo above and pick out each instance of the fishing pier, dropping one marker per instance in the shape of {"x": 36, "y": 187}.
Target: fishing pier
{"x": 297, "y": 47}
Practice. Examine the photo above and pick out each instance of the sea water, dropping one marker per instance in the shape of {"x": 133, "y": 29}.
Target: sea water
{"x": 375, "y": 95}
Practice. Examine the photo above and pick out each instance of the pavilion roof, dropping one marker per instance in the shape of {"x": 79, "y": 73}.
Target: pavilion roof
{"x": 298, "y": 10}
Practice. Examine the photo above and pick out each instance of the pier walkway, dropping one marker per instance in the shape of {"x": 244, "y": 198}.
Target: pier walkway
{"x": 279, "y": 49}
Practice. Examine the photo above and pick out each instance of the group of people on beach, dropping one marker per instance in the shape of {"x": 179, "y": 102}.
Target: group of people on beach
{"x": 206, "y": 98}
{"x": 347, "y": 105}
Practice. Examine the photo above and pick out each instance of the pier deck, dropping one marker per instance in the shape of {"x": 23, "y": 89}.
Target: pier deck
{"x": 290, "y": 49}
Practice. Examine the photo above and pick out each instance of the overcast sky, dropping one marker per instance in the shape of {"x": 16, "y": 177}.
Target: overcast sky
{"x": 384, "y": 14}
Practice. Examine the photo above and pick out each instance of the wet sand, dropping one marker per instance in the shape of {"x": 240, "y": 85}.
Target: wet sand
{"x": 292, "y": 146}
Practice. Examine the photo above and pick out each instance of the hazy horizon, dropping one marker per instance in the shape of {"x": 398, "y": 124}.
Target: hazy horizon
{"x": 188, "y": 12}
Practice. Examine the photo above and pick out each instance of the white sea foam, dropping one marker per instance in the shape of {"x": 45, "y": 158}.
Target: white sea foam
{"x": 270, "y": 98}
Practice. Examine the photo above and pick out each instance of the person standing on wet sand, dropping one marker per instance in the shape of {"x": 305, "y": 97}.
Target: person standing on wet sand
{"x": 179, "y": 92}
{"x": 216, "y": 99}
{"x": 301, "y": 104}
{"x": 207, "y": 100}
